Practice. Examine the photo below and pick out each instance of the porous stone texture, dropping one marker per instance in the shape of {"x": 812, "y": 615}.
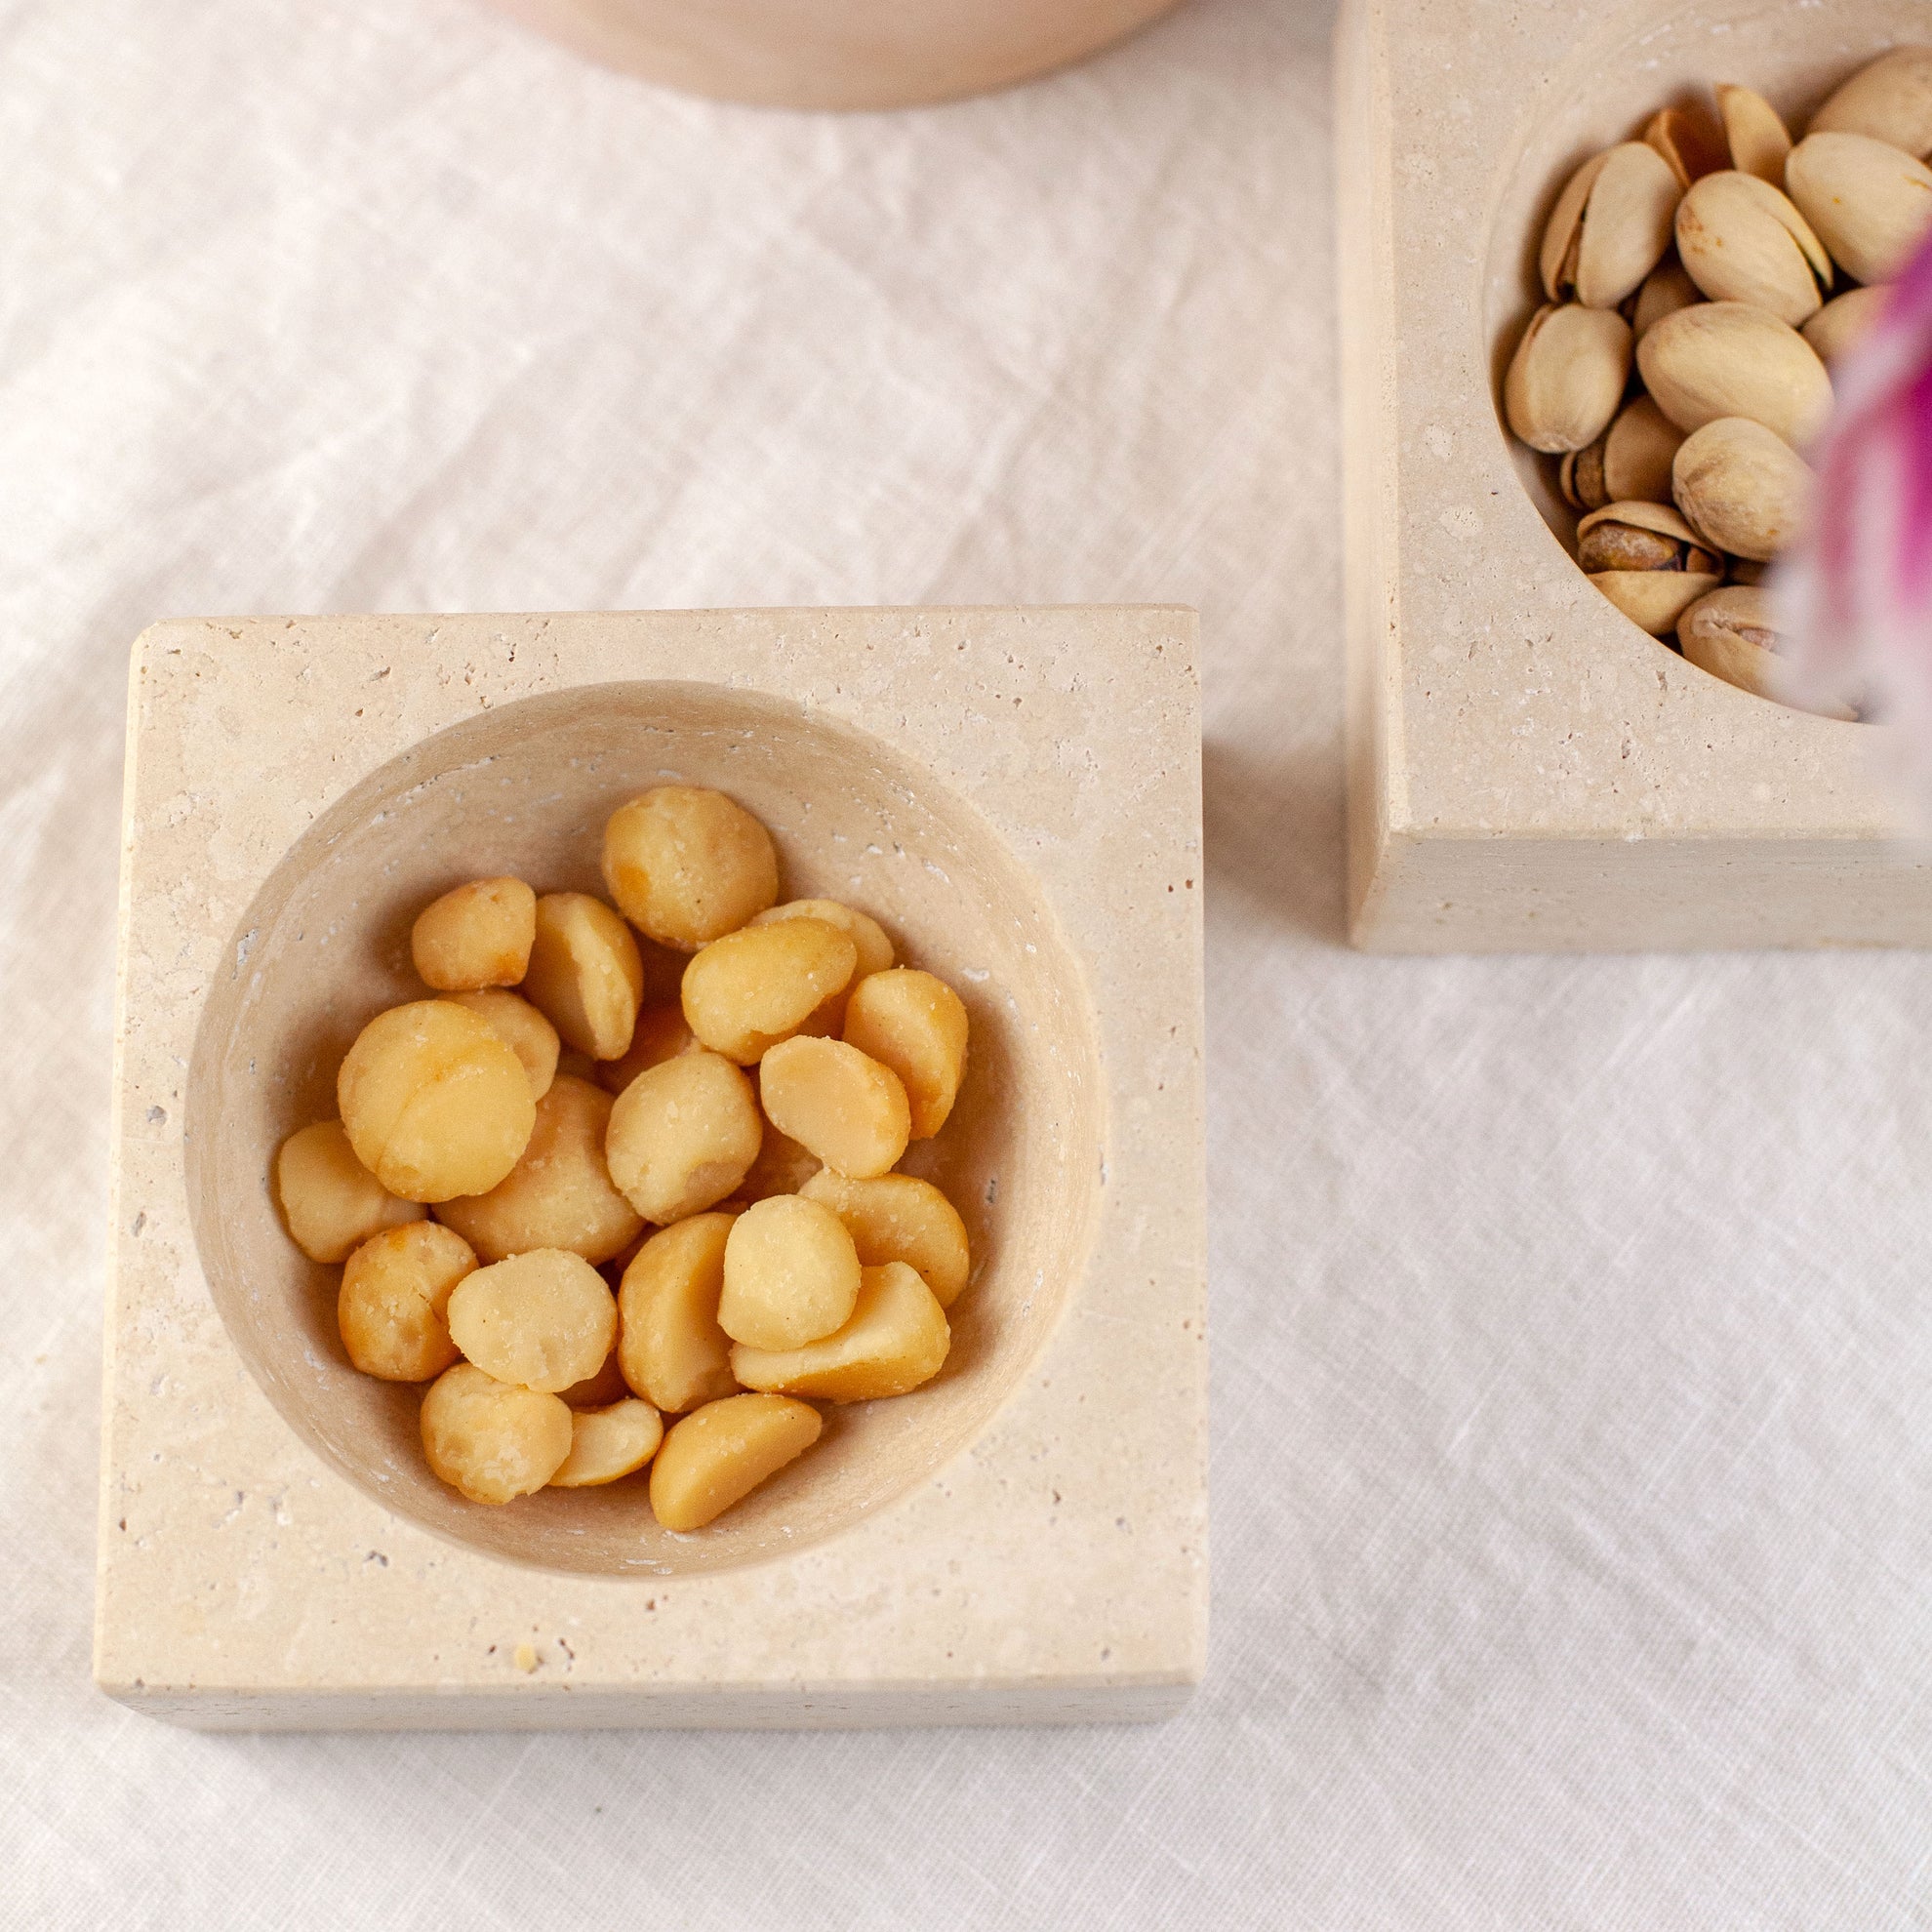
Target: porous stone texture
{"x": 1015, "y": 794}
{"x": 1529, "y": 771}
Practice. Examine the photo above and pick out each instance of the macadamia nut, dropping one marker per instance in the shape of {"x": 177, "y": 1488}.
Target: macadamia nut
{"x": 599, "y": 1391}
{"x": 434, "y": 1103}
{"x": 477, "y": 936}
{"x": 896, "y": 1339}
{"x": 669, "y": 1346}
{"x": 521, "y": 1029}
{"x": 719, "y": 1454}
{"x": 790, "y": 1273}
{"x": 865, "y": 932}
{"x": 586, "y": 976}
{"x": 687, "y": 865}
{"x": 489, "y": 1440}
{"x": 608, "y": 1443}
{"x": 895, "y": 1218}
{"x": 542, "y": 1320}
{"x": 661, "y": 1034}
{"x": 395, "y": 1289}
{"x": 746, "y": 992}
{"x": 836, "y": 1101}
{"x": 915, "y": 1025}
{"x": 682, "y": 1135}
{"x": 331, "y": 1201}
{"x": 559, "y": 1194}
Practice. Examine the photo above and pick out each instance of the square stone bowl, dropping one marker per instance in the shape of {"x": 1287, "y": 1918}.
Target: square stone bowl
{"x": 1529, "y": 771}
{"x": 1014, "y": 796}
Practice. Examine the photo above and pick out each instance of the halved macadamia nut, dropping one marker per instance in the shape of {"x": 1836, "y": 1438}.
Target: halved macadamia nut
{"x": 608, "y": 1443}
{"x": 662, "y": 1033}
{"x": 586, "y": 976}
{"x": 896, "y": 1339}
{"x": 865, "y": 932}
{"x": 559, "y": 1194}
{"x": 490, "y": 1440}
{"x": 687, "y": 865}
{"x": 434, "y": 1103}
{"x": 477, "y": 936}
{"x": 330, "y": 1202}
{"x": 746, "y": 992}
{"x": 896, "y": 1218}
{"x": 790, "y": 1273}
{"x": 915, "y": 1025}
{"x": 395, "y": 1289}
{"x": 542, "y": 1320}
{"x": 682, "y": 1135}
{"x": 719, "y": 1454}
{"x": 521, "y": 1029}
{"x": 839, "y": 1103}
{"x": 669, "y": 1346}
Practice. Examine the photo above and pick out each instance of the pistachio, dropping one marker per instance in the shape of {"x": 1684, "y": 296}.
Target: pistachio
{"x": 1638, "y": 454}
{"x": 1688, "y": 142}
{"x": 1648, "y": 561}
{"x": 1890, "y": 101}
{"x": 1610, "y": 226}
{"x": 1757, "y": 137}
{"x": 1666, "y": 289}
{"x": 1580, "y": 477}
{"x": 1869, "y": 202}
{"x": 1741, "y": 240}
{"x": 1741, "y": 488}
{"x": 1841, "y": 323}
{"x": 1733, "y": 634}
{"x": 1567, "y": 376}
{"x": 1727, "y": 358}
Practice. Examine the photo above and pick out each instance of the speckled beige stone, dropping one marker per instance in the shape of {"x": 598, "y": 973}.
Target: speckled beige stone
{"x": 1016, "y": 795}
{"x": 1527, "y": 770}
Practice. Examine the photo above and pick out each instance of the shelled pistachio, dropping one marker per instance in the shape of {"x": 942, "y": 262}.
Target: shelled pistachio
{"x": 1869, "y": 202}
{"x": 1567, "y": 376}
{"x": 1610, "y": 226}
{"x": 1648, "y": 561}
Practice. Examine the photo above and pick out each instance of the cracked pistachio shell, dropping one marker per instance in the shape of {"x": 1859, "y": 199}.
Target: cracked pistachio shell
{"x": 1580, "y": 477}
{"x": 1567, "y": 376}
{"x": 1661, "y": 519}
{"x": 1666, "y": 289}
{"x": 1841, "y": 323}
{"x": 1756, "y": 134}
{"x": 1654, "y": 599}
{"x": 1891, "y": 100}
{"x": 1740, "y": 239}
{"x": 1610, "y": 226}
{"x": 1870, "y": 203}
{"x": 1638, "y": 454}
{"x": 1741, "y": 488}
{"x": 1733, "y": 634}
{"x": 1691, "y": 144}
{"x": 1727, "y": 358}
{"x": 1652, "y": 594}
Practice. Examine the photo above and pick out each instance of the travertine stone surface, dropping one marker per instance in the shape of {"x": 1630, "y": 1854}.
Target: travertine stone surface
{"x": 1016, "y": 795}
{"x": 1529, "y": 771}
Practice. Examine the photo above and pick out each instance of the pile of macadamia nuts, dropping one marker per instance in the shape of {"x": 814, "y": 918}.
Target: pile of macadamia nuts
{"x": 729, "y": 1159}
{"x": 1732, "y": 268}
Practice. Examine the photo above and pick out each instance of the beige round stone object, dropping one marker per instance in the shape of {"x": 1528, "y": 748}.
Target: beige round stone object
{"x": 916, "y": 1023}
{"x": 1610, "y": 226}
{"x": 1756, "y": 133}
{"x": 1567, "y": 376}
{"x": 719, "y": 1454}
{"x": 1870, "y": 203}
{"x": 586, "y": 976}
{"x": 395, "y": 1289}
{"x": 687, "y": 865}
{"x": 491, "y": 1440}
{"x": 746, "y": 992}
{"x": 1733, "y": 634}
{"x": 1740, "y": 239}
{"x": 608, "y": 1443}
{"x": 1741, "y": 488}
{"x": 844, "y": 1107}
{"x": 434, "y": 1103}
{"x": 661, "y": 1034}
{"x": 561, "y": 1193}
{"x": 1841, "y": 325}
{"x": 521, "y": 1029}
{"x": 683, "y": 1135}
{"x": 542, "y": 1320}
{"x": 896, "y": 1338}
{"x": 330, "y": 1201}
{"x": 790, "y": 1273}
{"x": 1727, "y": 358}
{"x": 900, "y": 1218}
{"x": 1638, "y": 454}
{"x": 670, "y": 1348}
{"x": 1890, "y": 99}
{"x": 477, "y": 935}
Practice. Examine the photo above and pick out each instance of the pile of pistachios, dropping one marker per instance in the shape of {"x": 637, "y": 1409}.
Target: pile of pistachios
{"x": 1732, "y": 268}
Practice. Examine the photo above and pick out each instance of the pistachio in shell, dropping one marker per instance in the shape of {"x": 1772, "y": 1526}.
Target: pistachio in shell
{"x": 1580, "y": 477}
{"x": 1756, "y": 134}
{"x": 1727, "y": 358}
{"x": 1610, "y": 226}
{"x": 1842, "y": 322}
{"x": 1741, "y": 488}
{"x": 1638, "y": 454}
{"x": 1740, "y": 239}
{"x": 1891, "y": 100}
{"x": 1567, "y": 376}
{"x": 1733, "y": 634}
{"x": 1666, "y": 289}
{"x": 1690, "y": 142}
{"x": 1648, "y": 561}
{"x": 1869, "y": 202}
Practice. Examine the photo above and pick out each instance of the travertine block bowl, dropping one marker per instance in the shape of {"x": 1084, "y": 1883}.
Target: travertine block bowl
{"x": 525, "y": 790}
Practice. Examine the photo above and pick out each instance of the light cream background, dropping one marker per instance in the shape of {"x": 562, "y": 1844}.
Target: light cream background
{"x": 1571, "y": 1350}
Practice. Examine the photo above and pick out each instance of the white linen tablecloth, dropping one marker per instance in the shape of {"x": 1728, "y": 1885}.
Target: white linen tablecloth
{"x": 1572, "y": 1317}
